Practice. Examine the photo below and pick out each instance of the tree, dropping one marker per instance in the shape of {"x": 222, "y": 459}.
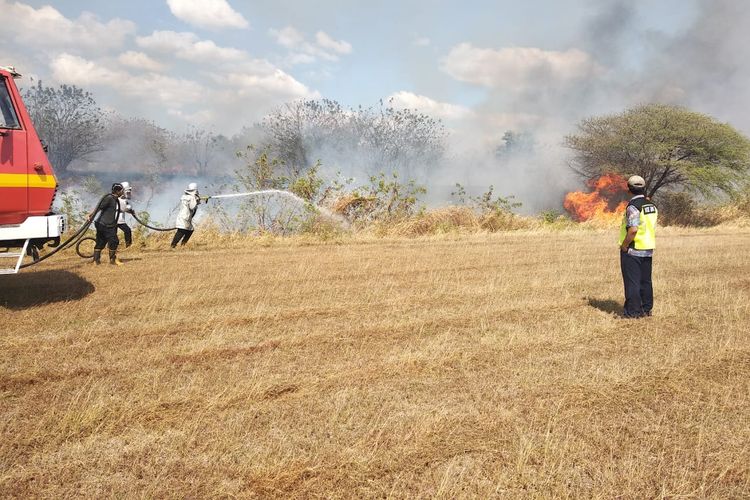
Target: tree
{"x": 515, "y": 144}
{"x": 68, "y": 120}
{"x": 669, "y": 146}
{"x": 199, "y": 148}
{"x": 372, "y": 140}
{"x": 137, "y": 144}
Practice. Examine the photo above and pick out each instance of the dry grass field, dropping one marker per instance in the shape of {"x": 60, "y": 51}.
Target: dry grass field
{"x": 487, "y": 365}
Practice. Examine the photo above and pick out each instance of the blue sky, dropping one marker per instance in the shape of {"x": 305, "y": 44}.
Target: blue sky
{"x": 478, "y": 65}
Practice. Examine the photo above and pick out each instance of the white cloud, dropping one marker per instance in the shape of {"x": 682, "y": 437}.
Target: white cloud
{"x": 303, "y": 51}
{"x": 46, "y": 27}
{"x": 71, "y": 69}
{"x": 139, "y": 60}
{"x": 288, "y": 37}
{"x": 223, "y": 88}
{"x": 207, "y": 13}
{"x": 296, "y": 58}
{"x": 189, "y": 47}
{"x": 68, "y": 68}
{"x": 174, "y": 91}
{"x": 517, "y": 68}
{"x": 243, "y": 98}
{"x": 422, "y": 41}
{"x": 409, "y": 100}
{"x": 236, "y": 97}
{"x": 277, "y": 83}
{"x": 10, "y": 56}
{"x": 325, "y": 41}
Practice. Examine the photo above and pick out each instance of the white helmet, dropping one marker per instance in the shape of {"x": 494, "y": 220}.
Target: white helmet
{"x": 192, "y": 187}
{"x": 126, "y": 189}
{"x": 126, "y": 186}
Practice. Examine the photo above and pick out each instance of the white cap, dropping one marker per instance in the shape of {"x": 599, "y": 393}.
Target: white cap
{"x": 636, "y": 181}
{"x": 192, "y": 187}
{"x": 126, "y": 185}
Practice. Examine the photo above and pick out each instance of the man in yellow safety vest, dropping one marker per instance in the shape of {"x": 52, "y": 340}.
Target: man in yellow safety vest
{"x": 637, "y": 243}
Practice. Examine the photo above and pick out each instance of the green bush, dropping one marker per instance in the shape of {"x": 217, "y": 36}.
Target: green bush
{"x": 679, "y": 208}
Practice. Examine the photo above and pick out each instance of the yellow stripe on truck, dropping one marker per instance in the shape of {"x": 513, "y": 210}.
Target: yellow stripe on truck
{"x": 30, "y": 180}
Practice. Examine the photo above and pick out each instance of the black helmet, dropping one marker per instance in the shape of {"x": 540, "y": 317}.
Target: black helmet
{"x": 117, "y": 187}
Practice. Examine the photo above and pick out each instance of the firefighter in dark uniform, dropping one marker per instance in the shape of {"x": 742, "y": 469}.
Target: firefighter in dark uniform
{"x": 106, "y": 225}
{"x": 637, "y": 243}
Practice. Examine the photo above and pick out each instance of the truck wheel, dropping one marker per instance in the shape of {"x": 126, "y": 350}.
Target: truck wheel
{"x": 85, "y": 248}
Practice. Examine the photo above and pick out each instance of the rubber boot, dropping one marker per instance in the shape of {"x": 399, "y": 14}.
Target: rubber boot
{"x": 97, "y": 257}
{"x": 113, "y": 258}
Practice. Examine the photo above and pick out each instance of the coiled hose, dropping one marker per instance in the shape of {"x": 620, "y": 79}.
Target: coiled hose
{"x": 78, "y": 235}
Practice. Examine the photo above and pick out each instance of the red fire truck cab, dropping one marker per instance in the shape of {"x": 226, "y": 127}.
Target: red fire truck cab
{"x": 27, "y": 183}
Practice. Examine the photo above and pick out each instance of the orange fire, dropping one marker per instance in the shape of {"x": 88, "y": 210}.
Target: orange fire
{"x": 605, "y": 201}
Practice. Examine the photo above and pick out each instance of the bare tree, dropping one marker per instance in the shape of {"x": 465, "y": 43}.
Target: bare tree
{"x": 199, "y": 148}
{"x": 374, "y": 139}
{"x": 68, "y": 120}
{"x": 136, "y": 144}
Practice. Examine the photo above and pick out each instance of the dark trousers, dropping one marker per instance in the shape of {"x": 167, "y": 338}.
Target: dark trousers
{"x": 639, "y": 292}
{"x": 128, "y": 234}
{"x": 106, "y": 236}
{"x": 181, "y": 234}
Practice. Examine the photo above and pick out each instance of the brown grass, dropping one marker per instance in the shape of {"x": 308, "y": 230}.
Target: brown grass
{"x": 445, "y": 366}
{"x": 455, "y": 219}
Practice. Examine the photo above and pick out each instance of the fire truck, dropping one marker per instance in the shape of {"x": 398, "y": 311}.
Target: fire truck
{"x": 27, "y": 182}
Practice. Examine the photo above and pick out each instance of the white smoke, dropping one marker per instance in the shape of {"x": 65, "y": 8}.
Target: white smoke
{"x": 616, "y": 61}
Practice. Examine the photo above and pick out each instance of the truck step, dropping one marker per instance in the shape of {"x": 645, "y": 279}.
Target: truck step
{"x": 19, "y": 259}
{"x": 9, "y": 255}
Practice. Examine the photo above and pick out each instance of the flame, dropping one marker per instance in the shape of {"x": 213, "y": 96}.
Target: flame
{"x": 604, "y": 202}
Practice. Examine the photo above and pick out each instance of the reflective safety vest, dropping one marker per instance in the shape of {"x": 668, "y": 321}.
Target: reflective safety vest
{"x": 645, "y": 238}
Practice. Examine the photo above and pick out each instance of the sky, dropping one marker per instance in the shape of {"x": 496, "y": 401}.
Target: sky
{"x": 223, "y": 63}
{"x": 483, "y": 67}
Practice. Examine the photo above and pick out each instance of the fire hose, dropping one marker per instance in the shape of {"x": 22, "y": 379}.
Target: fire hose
{"x": 78, "y": 237}
{"x": 86, "y": 255}
{"x": 139, "y": 221}
{"x": 74, "y": 239}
